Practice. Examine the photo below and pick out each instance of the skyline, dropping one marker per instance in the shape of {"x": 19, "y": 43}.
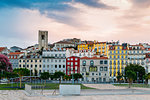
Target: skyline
{"x": 102, "y": 20}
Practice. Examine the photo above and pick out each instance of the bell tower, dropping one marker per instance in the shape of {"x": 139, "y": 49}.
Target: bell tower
{"x": 43, "y": 39}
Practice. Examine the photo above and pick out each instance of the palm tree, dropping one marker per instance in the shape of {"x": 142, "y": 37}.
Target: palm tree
{"x": 21, "y": 72}
{"x": 130, "y": 76}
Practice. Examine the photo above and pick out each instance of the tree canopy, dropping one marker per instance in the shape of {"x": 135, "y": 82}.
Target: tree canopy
{"x": 137, "y": 69}
{"x": 5, "y": 65}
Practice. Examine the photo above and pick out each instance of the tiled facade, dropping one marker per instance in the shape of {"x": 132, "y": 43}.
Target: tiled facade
{"x": 94, "y": 69}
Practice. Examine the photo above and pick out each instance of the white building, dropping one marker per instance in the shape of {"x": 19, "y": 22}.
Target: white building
{"x": 137, "y": 55}
{"x": 94, "y": 69}
{"x": 54, "y": 61}
{"x": 63, "y": 44}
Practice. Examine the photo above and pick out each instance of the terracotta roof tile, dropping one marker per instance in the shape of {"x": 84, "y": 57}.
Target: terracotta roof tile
{"x": 2, "y": 48}
{"x": 15, "y": 53}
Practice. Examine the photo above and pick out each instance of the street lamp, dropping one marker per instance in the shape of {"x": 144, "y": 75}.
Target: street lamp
{"x": 137, "y": 76}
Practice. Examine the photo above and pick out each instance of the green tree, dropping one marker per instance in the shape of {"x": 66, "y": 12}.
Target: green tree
{"x": 51, "y": 76}
{"x": 58, "y": 75}
{"x": 130, "y": 76}
{"x": 35, "y": 72}
{"x": 21, "y": 72}
{"x": 77, "y": 76}
{"x": 67, "y": 77}
{"x": 137, "y": 69}
{"x": 45, "y": 76}
{"x": 146, "y": 77}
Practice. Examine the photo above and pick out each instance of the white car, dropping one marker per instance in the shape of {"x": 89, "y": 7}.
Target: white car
{"x": 4, "y": 81}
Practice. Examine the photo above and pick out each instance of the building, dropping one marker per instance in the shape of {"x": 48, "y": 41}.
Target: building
{"x": 14, "y": 58}
{"x": 63, "y": 44}
{"x": 32, "y": 62}
{"x": 85, "y": 46}
{"x": 94, "y": 69}
{"x": 54, "y": 61}
{"x": 72, "y": 65}
{"x": 147, "y": 59}
{"x": 4, "y": 50}
{"x": 118, "y": 59}
{"x": 74, "y": 40}
{"x": 79, "y": 53}
{"x": 137, "y": 55}
{"x": 101, "y": 48}
{"x": 15, "y": 49}
{"x": 43, "y": 39}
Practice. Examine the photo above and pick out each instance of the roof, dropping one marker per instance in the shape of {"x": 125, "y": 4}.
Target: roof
{"x": 94, "y": 58}
{"x": 63, "y": 42}
{"x": 15, "y": 53}
{"x": 2, "y": 48}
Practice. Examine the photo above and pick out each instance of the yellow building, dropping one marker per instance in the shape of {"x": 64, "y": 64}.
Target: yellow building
{"x": 118, "y": 59}
{"x": 85, "y": 46}
{"x": 101, "y": 48}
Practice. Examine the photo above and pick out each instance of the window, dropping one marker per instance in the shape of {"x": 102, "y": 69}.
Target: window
{"x": 105, "y": 62}
{"x": 59, "y": 66}
{"x": 68, "y": 63}
{"x": 31, "y": 66}
{"x": 71, "y": 63}
{"x": 105, "y": 68}
{"x": 84, "y": 63}
{"x": 93, "y": 69}
{"x": 47, "y": 60}
{"x": 59, "y": 60}
{"x": 43, "y": 66}
{"x": 63, "y": 66}
{"x": 76, "y": 63}
{"x": 31, "y": 60}
{"x": 35, "y": 65}
{"x": 19, "y": 60}
{"x": 92, "y": 63}
{"x": 71, "y": 58}
{"x": 47, "y": 66}
{"x": 55, "y": 55}
{"x": 84, "y": 69}
{"x": 55, "y": 60}
{"x": 76, "y": 59}
{"x": 40, "y": 66}
{"x": 101, "y": 68}
{"x": 27, "y": 65}
{"x": 23, "y": 65}
{"x": 19, "y": 65}
{"x": 101, "y": 62}
{"x": 55, "y": 66}
{"x": 35, "y": 60}
{"x": 27, "y": 60}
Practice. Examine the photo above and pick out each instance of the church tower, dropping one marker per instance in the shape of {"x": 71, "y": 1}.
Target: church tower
{"x": 43, "y": 39}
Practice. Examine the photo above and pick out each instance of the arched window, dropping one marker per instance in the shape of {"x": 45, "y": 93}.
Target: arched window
{"x": 92, "y": 63}
{"x": 93, "y": 69}
{"x": 84, "y": 63}
{"x": 84, "y": 69}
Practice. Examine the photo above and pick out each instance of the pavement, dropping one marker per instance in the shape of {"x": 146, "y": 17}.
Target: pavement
{"x": 102, "y": 92}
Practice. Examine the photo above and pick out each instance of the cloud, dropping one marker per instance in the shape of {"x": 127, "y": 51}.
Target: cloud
{"x": 141, "y": 3}
{"x": 53, "y": 8}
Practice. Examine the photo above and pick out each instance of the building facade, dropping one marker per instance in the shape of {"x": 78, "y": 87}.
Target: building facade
{"x": 137, "y": 55}
{"x": 31, "y": 62}
{"x": 72, "y": 65}
{"x": 54, "y": 61}
{"x": 118, "y": 59}
{"x": 94, "y": 69}
{"x": 14, "y": 58}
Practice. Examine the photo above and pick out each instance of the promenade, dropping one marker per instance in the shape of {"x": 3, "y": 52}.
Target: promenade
{"x": 102, "y": 92}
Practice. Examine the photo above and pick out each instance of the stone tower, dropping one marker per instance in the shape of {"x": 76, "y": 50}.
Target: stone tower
{"x": 43, "y": 39}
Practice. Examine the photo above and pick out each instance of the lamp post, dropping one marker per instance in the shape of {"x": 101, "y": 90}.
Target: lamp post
{"x": 137, "y": 76}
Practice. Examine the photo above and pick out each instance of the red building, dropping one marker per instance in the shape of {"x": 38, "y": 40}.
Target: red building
{"x": 72, "y": 65}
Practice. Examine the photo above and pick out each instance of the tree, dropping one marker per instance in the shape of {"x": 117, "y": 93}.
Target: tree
{"x": 67, "y": 77}
{"x": 119, "y": 77}
{"x": 77, "y": 76}
{"x": 146, "y": 77}
{"x": 130, "y": 76}
{"x": 5, "y": 65}
{"x": 35, "y": 72}
{"x": 45, "y": 76}
{"x": 137, "y": 69}
{"x": 21, "y": 72}
{"x": 58, "y": 75}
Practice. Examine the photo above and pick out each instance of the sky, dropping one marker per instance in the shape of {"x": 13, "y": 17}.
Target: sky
{"x": 101, "y": 20}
